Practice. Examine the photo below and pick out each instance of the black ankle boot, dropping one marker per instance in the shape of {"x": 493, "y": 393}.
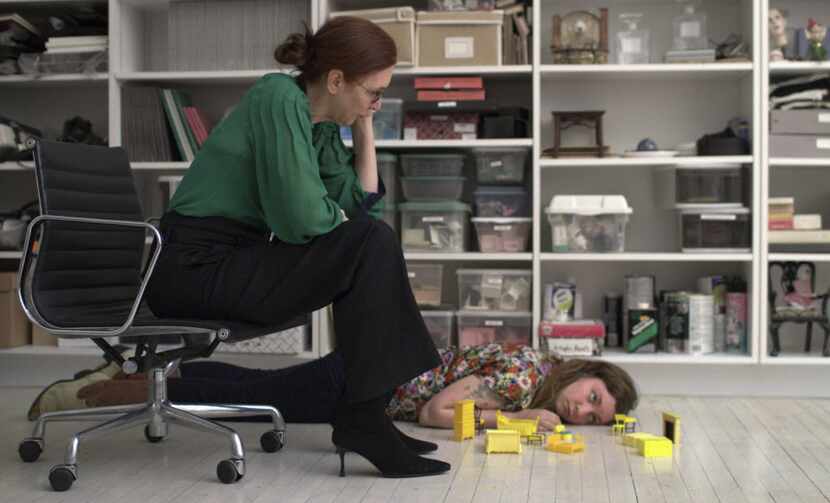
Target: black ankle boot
{"x": 415, "y": 445}
{"x": 365, "y": 429}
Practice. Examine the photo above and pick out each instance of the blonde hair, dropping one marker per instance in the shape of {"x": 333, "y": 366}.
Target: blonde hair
{"x": 564, "y": 373}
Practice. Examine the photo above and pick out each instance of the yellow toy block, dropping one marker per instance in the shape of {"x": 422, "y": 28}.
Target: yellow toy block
{"x": 558, "y": 443}
{"x": 659, "y": 447}
{"x": 508, "y": 441}
{"x": 617, "y": 429}
{"x": 525, "y": 427}
{"x": 535, "y": 438}
{"x": 630, "y": 424}
{"x": 619, "y": 418}
{"x": 671, "y": 427}
{"x": 634, "y": 439}
{"x": 463, "y": 423}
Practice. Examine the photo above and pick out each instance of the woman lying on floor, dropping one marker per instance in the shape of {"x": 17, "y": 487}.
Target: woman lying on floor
{"x": 522, "y": 382}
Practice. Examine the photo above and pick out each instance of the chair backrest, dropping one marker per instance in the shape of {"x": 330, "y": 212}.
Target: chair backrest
{"x": 785, "y": 274}
{"x": 85, "y": 271}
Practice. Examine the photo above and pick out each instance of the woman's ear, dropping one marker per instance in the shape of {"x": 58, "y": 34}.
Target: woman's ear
{"x": 335, "y": 82}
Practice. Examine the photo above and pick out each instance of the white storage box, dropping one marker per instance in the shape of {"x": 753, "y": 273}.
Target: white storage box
{"x": 478, "y": 328}
{"x": 291, "y": 341}
{"x": 398, "y": 22}
{"x": 725, "y": 230}
{"x": 502, "y": 235}
{"x": 432, "y": 188}
{"x": 459, "y": 38}
{"x": 500, "y": 165}
{"x": 439, "y": 325}
{"x": 432, "y": 164}
{"x": 494, "y": 289}
{"x": 426, "y": 281}
{"x": 588, "y": 223}
{"x": 435, "y": 227}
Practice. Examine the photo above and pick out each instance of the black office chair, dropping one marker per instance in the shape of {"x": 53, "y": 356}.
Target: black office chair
{"x": 83, "y": 275}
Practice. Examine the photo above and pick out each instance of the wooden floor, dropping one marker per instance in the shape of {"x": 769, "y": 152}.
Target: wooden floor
{"x": 734, "y": 450}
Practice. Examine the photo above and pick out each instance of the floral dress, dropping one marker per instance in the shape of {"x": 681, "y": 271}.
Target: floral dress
{"x": 512, "y": 372}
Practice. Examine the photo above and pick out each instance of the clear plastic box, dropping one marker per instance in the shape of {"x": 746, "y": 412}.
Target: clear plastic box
{"x": 386, "y": 123}
{"x": 502, "y": 235}
{"x": 727, "y": 230}
{"x": 476, "y": 328}
{"x": 501, "y": 202}
{"x": 426, "y": 281}
{"x": 588, "y": 223}
{"x": 74, "y": 62}
{"x": 710, "y": 184}
{"x": 494, "y": 289}
{"x": 168, "y": 185}
{"x": 439, "y": 325}
{"x": 432, "y": 164}
{"x": 435, "y": 227}
{"x": 388, "y": 170}
{"x": 500, "y": 165}
{"x": 432, "y": 188}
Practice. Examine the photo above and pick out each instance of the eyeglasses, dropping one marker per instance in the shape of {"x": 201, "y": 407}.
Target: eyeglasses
{"x": 374, "y": 95}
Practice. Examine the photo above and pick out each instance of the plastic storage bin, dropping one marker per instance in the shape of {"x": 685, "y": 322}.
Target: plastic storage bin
{"x": 386, "y": 123}
{"x": 494, "y": 289}
{"x": 439, "y": 325}
{"x": 500, "y": 165}
{"x": 588, "y": 223}
{"x": 388, "y": 170}
{"x": 390, "y": 216}
{"x": 501, "y": 202}
{"x": 432, "y": 164}
{"x": 435, "y": 227}
{"x": 74, "y": 62}
{"x": 432, "y": 188}
{"x": 710, "y": 184}
{"x": 498, "y": 235}
{"x": 716, "y": 230}
{"x": 426, "y": 281}
{"x": 476, "y": 328}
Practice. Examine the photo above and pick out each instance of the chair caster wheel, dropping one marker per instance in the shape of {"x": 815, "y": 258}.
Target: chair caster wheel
{"x": 61, "y": 477}
{"x": 230, "y": 470}
{"x": 272, "y": 441}
{"x": 151, "y": 438}
{"x": 30, "y": 449}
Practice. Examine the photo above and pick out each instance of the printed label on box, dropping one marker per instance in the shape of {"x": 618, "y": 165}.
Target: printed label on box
{"x": 493, "y": 323}
{"x": 468, "y": 136}
{"x": 823, "y": 143}
{"x": 823, "y": 118}
{"x": 459, "y": 47}
{"x": 502, "y": 227}
{"x": 447, "y": 104}
{"x": 432, "y": 219}
{"x": 496, "y": 164}
{"x": 410, "y": 133}
{"x": 464, "y": 128}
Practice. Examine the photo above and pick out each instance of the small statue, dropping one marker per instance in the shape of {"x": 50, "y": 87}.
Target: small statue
{"x": 647, "y": 145}
{"x": 777, "y": 34}
{"x": 815, "y": 34}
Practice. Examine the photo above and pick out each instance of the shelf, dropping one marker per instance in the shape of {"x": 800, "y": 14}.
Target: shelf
{"x": 813, "y": 358}
{"x": 785, "y": 68}
{"x": 799, "y": 162}
{"x": 655, "y": 71}
{"x": 198, "y": 77}
{"x": 646, "y": 257}
{"x": 547, "y": 162}
{"x": 159, "y": 166}
{"x": 486, "y": 71}
{"x": 799, "y": 237}
{"x": 52, "y": 350}
{"x": 619, "y": 356}
{"x": 17, "y": 166}
{"x": 510, "y": 142}
{"x": 53, "y": 79}
{"x": 799, "y": 257}
{"x": 471, "y": 256}
{"x": 10, "y": 255}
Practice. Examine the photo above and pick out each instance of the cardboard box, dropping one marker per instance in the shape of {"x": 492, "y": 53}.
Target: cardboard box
{"x": 799, "y": 145}
{"x": 459, "y": 38}
{"x": 14, "y": 326}
{"x": 811, "y": 122}
{"x": 41, "y": 337}
{"x": 398, "y": 22}
{"x": 419, "y": 125}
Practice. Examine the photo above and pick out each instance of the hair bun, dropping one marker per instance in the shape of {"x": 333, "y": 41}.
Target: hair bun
{"x": 294, "y": 50}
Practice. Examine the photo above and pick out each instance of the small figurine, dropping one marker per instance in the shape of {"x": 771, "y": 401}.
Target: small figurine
{"x": 647, "y": 145}
{"x": 815, "y": 34}
{"x": 777, "y": 34}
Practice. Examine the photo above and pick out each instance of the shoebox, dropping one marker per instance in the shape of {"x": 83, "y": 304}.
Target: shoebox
{"x": 398, "y": 23}
{"x": 812, "y": 122}
{"x": 458, "y": 38}
{"x": 14, "y": 326}
{"x": 799, "y": 145}
{"x": 440, "y": 125}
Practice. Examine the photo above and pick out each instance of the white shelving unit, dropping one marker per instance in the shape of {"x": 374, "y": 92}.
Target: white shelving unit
{"x": 671, "y": 103}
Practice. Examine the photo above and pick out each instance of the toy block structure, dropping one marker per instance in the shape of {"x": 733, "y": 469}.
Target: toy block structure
{"x": 463, "y": 423}
{"x": 505, "y": 441}
{"x": 565, "y": 442}
{"x": 658, "y": 447}
{"x": 525, "y": 427}
{"x": 636, "y": 439}
{"x": 671, "y": 427}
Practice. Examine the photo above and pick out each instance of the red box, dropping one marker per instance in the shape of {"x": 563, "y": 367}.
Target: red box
{"x": 449, "y": 83}
{"x": 440, "y": 125}
{"x": 572, "y": 329}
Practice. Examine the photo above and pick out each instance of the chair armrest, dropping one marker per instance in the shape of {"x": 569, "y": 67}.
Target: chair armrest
{"x": 27, "y": 256}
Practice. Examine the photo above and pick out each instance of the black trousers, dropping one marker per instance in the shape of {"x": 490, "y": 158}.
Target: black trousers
{"x": 304, "y": 393}
{"x": 217, "y": 268}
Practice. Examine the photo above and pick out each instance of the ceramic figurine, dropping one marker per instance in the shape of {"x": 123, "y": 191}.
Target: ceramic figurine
{"x": 815, "y": 35}
{"x": 777, "y": 34}
{"x": 647, "y": 145}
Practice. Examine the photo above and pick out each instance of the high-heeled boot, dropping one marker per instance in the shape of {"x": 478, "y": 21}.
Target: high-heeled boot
{"x": 365, "y": 429}
{"x": 415, "y": 445}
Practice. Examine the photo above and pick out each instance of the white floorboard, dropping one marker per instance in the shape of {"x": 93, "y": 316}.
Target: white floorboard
{"x": 742, "y": 450}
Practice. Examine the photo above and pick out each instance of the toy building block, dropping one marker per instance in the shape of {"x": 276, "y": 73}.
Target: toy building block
{"x": 507, "y": 441}
{"x": 630, "y": 424}
{"x": 617, "y": 429}
{"x": 525, "y": 427}
{"x": 671, "y": 427}
{"x": 463, "y": 423}
{"x": 565, "y": 442}
{"x": 659, "y": 447}
{"x": 634, "y": 439}
{"x": 535, "y": 439}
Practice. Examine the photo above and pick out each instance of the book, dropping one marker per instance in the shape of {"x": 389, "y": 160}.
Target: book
{"x": 8, "y": 20}
{"x": 193, "y": 121}
{"x": 781, "y": 225}
{"x": 468, "y": 95}
{"x": 175, "y": 122}
{"x": 77, "y": 41}
{"x": 449, "y": 83}
{"x": 182, "y": 100}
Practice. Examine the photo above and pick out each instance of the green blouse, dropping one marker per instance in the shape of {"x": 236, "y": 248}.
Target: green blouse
{"x": 267, "y": 166}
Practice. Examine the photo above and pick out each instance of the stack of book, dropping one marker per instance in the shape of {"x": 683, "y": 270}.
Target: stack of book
{"x": 447, "y": 91}
{"x": 781, "y": 213}
{"x": 17, "y": 36}
{"x": 786, "y": 227}
{"x": 692, "y": 56}
{"x": 75, "y": 45}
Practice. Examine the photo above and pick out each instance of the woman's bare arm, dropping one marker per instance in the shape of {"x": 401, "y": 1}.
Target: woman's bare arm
{"x": 439, "y": 411}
